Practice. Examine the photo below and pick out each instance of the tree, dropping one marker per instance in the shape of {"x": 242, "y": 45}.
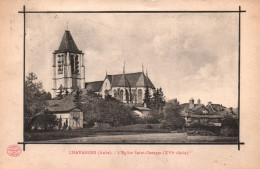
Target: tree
{"x": 67, "y": 92}
{"x": 157, "y": 103}
{"x": 109, "y": 110}
{"x": 35, "y": 99}
{"x": 60, "y": 123}
{"x": 77, "y": 98}
{"x": 147, "y": 97}
{"x": 173, "y": 115}
{"x": 60, "y": 92}
{"x": 46, "y": 121}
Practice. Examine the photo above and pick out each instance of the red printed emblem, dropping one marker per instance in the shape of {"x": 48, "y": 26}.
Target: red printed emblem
{"x": 14, "y": 150}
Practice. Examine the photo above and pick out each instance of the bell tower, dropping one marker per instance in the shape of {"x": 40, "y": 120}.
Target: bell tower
{"x": 68, "y": 67}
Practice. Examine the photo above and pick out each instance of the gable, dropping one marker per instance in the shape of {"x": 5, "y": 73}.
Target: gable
{"x": 106, "y": 85}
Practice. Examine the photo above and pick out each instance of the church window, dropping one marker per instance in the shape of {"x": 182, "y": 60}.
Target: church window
{"x": 106, "y": 93}
{"x": 75, "y": 64}
{"x": 60, "y": 64}
{"x": 115, "y": 94}
{"x": 121, "y": 94}
{"x": 127, "y": 96}
{"x": 134, "y": 95}
{"x": 140, "y": 96}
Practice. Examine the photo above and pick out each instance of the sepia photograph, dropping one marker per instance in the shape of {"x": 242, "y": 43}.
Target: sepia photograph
{"x": 131, "y": 78}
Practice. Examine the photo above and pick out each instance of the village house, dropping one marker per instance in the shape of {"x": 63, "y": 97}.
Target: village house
{"x": 66, "y": 112}
{"x": 209, "y": 115}
{"x": 141, "y": 111}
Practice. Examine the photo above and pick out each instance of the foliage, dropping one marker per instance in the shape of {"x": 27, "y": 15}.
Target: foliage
{"x": 230, "y": 122}
{"x": 35, "y": 98}
{"x": 77, "y": 98}
{"x": 152, "y": 120}
{"x": 65, "y": 125}
{"x": 60, "y": 92}
{"x": 158, "y": 99}
{"x": 67, "y": 92}
{"x": 59, "y": 123}
{"x": 46, "y": 121}
{"x": 149, "y": 126}
{"x": 147, "y": 97}
{"x": 157, "y": 103}
{"x": 173, "y": 116}
{"x": 108, "y": 111}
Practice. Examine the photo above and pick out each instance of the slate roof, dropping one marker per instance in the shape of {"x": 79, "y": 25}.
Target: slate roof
{"x": 94, "y": 86}
{"x": 61, "y": 106}
{"x": 215, "y": 107}
{"x": 197, "y": 106}
{"x": 138, "y": 79}
{"x": 68, "y": 44}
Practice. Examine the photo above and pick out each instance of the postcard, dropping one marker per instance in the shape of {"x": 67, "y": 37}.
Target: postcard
{"x": 133, "y": 84}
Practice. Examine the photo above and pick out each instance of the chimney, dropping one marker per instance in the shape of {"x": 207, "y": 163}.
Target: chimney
{"x": 198, "y": 101}
{"x": 145, "y": 105}
{"x": 209, "y": 103}
{"x": 191, "y": 105}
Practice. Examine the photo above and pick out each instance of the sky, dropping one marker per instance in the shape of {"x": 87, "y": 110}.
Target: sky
{"x": 188, "y": 55}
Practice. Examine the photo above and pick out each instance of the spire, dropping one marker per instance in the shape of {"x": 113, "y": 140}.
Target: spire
{"x": 67, "y": 43}
{"x": 142, "y": 67}
{"x": 67, "y": 26}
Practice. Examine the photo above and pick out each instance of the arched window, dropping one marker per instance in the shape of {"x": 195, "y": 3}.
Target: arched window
{"x": 106, "y": 93}
{"x": 121, "y": 95}
{"x": 140, "y": 96}
{"x": 60, "y": 64}
{"x": 134, "y": 95}
{"x": 115, "y": 94}
{"x": 74, "y": 64}
{"x": 127, "y": 96}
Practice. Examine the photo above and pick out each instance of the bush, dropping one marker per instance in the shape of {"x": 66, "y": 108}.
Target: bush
{"x": 152, "y": 120}
{"x": 108, "y": 111}
{"x": 173, "y": 116}
{"x": 230, "y": 122}
{"x": 46, "y": 121}
{"x": 149, "y": 127}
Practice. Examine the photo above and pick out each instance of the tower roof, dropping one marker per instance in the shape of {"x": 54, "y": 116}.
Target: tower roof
{"x": 67, "y": 44}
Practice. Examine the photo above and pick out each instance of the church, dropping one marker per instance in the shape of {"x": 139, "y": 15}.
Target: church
{"x": 68, "y": 71}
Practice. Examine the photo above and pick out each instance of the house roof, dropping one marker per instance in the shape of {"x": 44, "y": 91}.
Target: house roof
{"x": 122, "y": 82}
{"x": 138, "y": 79}
{"x": 205, "y": 116}
{"x": 142, "y": 108}
{"x": 67, "y": 43}
{"x": 197, "y": 106}
{"x": 94, "y": 86}
{"x": 215, "y": 107}
{"x": 63, "y": 105}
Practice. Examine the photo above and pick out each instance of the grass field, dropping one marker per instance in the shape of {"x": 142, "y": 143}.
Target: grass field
{"x": 146, "y": 138}
{"x": 138, "y": 133}
{"x": 86, "y": 132}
